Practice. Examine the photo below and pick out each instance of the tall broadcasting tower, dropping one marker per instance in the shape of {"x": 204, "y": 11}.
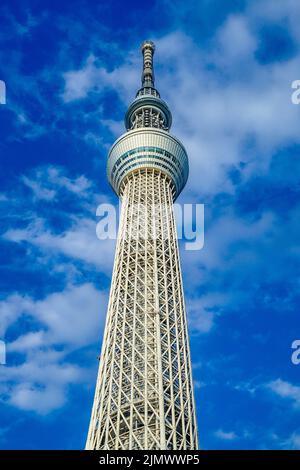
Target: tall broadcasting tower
{"x": 144, "y": 392}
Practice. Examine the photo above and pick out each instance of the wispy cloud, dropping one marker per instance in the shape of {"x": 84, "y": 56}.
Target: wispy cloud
{"x": 46, "y": 181}
{"x": 293, "y": 442}
{"x": 76, "y": 236}
{"x": 225, "y": 435}
{"x": 286, "y": 390}
{"x": 40, "y": 378}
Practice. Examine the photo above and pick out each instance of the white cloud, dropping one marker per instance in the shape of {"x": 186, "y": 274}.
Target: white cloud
{"x": 78, "y": 242}
{"x": 285, "y": 389}
{"x": 275, "y": 12}
{"x": 38, "y": 190}
{"x": 80, "y": 306}
{"x": 10, "y": 310}
{"x": 94, "y": 77}
{"x": 27, "y": 342}
{"x": 219, "y": 98}
{"x": 290, "y": 443}
{"x": 214, "y": 118}
{"x": 46, "y": 181}
{"x": 202, "y": 311}
{"x": 64, "y": 322}
{"x": 39, "y": 385}
{"x": 198, "y": 384}
{"x": 25, "y": 26}
{"x": 29, "y": 398}
{"x": 222, "y": 234}
{"x": 225, "y": 435}
{"x": 234, "y": 41}
{"x": 79, "y": 82}
{"x": 293, "y": 442}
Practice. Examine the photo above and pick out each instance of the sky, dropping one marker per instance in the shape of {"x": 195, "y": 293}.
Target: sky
{"x": 225, "y": 69}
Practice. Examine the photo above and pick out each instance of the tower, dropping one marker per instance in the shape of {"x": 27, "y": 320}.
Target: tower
{"x": 144, "y": 393}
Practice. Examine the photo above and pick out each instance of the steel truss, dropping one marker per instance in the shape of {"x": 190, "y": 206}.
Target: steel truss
{"x": 144, "y": 395}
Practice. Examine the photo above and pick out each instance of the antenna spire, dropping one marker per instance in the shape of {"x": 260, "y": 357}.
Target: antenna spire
{"x": 147, "y": 109}
{"x": 148, "y": 49}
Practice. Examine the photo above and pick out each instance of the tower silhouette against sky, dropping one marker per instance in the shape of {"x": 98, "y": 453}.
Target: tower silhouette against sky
{"x": 144, "y": 392}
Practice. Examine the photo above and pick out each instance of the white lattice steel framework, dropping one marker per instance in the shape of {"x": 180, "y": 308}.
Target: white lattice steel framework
{"x": 144, "y": 393}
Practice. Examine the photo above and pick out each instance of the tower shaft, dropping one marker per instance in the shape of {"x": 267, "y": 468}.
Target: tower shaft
{"x": 144, "y": 397}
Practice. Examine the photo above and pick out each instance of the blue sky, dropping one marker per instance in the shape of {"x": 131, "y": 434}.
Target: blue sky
{"x": 225, "y": 69}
